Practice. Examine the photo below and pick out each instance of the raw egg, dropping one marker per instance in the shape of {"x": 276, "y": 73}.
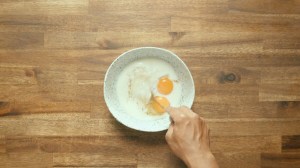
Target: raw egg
{"x": 159, "y": 104}
{"x": 143, "y": 80}
{"x": 165, "y": 85}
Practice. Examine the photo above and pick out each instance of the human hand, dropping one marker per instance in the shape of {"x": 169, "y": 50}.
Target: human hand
{"x": 188, "y": 138}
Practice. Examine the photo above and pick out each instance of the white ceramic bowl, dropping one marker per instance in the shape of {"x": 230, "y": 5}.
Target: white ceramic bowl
{"x": 110, "y": 81}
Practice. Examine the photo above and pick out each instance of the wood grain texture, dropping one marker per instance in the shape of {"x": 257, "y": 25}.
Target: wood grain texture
{"x": 2, "y": 144}
{"x": 266, "y": 7}
{"x": 41, "y": 7}
{"x": 243, "y": 55}
{"x": 236, "y": 160}
{"x": 21, "y": 40}
{"x": 291, "y": 143}
{"x": 280, "y": 160}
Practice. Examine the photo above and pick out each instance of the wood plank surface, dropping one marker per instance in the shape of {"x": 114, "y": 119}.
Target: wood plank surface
{"x": 244, "y": 57}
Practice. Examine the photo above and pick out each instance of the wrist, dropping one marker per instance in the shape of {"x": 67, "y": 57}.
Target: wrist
{"x": 203, "y": 160}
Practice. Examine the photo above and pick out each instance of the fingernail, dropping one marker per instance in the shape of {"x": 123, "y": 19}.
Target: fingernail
{"x": 168, "y": 110}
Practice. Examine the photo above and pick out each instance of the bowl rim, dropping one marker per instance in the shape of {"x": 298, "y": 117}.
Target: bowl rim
{"x": 141, "y": 48}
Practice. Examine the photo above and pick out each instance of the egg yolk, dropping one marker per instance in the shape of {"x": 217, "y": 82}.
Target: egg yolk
{"x": 165, "y": 86}
{"x": 159, "y": 104}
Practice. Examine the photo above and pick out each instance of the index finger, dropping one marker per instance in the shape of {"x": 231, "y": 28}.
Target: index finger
{"x": 174, "y": 113}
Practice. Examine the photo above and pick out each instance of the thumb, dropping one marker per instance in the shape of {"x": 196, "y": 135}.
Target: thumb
{"x": 169, "y": 133}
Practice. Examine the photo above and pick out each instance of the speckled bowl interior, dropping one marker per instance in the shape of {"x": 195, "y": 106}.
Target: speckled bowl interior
{"x": 111, "y": 78}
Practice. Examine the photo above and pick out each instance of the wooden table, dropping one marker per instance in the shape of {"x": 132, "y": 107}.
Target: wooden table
{"x": 244, "y": 57}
